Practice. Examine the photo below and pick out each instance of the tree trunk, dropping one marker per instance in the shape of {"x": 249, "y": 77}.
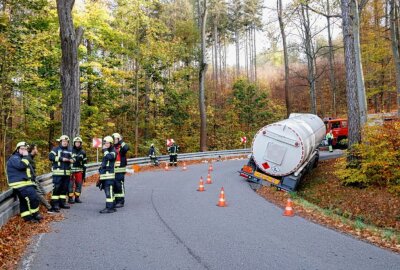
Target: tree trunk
{"x": 395, "y": 48}
{"x": 353, "y": 112}
{"x": 225, "y": 52}
{"x": 285, "y": 56}
{"x": 332, "y": 78}
{"x": 71, "y": 109}
{"x": 90, "y": 72}
{"x": 220, "y": 64}
{"x": 251, "y": 54}
{"x": 202, "y": 74}
{"x": 359, "y": 69}
{"x": 255, "y": 54}
{"x": 146, "y": 108}
{"x": 310, "y": 57}
{"x": 246, "y": 54}
{"x": 215, "y": 36}
{"x": 136, "y": 107}
{"x": 237, "y": 52}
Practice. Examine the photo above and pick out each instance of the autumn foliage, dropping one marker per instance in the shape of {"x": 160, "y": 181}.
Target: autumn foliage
{"x": 379, "y": 156}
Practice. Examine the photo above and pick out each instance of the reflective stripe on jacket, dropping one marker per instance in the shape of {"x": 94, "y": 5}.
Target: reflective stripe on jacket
{"x": 106, "y": 169}
{"x": 19, "y": 171}
{"x": 79, "y": 155}
{"x": 56, "y": 156}
{"x": 173, "y": 150}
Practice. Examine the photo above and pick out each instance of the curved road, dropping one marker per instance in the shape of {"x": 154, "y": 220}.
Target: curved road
{"x": 167, "y": 224}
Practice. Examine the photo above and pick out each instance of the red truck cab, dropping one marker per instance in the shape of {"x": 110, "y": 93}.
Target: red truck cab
{"x": 339, "y": 127}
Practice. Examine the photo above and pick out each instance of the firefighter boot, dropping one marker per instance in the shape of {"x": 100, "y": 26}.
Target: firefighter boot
{"x": 71, "y": 200}
{"x": 37, "y": 216}
{"x": 77, "y": 200}
{"x": 32, "y": 220}
{"x": 107, "y": 211}
{"x": 64, "y": 206}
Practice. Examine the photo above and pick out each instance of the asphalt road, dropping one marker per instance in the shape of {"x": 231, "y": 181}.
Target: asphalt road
{"x": 324, "y": 155}
{"x": 167, "y": 224}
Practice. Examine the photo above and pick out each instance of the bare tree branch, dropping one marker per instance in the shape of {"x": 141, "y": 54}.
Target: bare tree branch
{"x": 324, "y": 14}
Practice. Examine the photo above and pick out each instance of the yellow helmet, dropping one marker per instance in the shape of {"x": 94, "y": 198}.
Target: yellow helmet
{"x": 117, "y": 136}
{"x": 63, "y": 137}
{"x": 108, "y": 139}
{"x": 20, "y": 144}
{"x": 78, "y": 139}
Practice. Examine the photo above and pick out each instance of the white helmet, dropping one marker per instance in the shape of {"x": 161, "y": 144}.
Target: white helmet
{"x": 108, "y": 139}
{"x": 117, "y": 136}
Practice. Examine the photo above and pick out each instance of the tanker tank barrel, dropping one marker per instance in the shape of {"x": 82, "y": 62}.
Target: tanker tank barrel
{"x": 285, "y": 147}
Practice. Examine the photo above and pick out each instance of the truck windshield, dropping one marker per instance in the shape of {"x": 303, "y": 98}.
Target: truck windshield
{"x": 335, "y": 124}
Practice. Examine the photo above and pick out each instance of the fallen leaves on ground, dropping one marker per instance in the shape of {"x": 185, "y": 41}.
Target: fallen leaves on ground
{"x": 371, "y": 214}
{"x": 17, "y": 234}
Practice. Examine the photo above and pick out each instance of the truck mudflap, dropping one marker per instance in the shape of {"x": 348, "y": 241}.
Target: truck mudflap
{"x": 290, "y": 182}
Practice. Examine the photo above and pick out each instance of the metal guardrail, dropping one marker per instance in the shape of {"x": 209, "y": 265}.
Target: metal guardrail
{"x": 9, "y": 204}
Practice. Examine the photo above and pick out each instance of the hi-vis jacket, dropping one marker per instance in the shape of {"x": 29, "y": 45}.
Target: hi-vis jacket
{"x": 120, "y": 163}
{"x": 19, "y": 171}
{"x": 106, "y": 169}
{"x": 173, "y": 150}
{"x": 59, "y": 167}
{"x": 79, "y": 155}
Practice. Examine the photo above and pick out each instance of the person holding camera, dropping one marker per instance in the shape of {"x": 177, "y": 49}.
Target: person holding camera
{"x": 19, "y": 177}
{"x": 78, "y": 171}
{"x": 61, "y": 158}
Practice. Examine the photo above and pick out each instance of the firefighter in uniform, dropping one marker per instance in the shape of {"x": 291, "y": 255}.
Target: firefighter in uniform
{"x": 61, "y": 158}
{"x": 152, "y": 155}
{"x": 329, "y": 138}
{"x": 173, "y": 154}
{"x": 78, "y": 171}
{"x": 121, "y": 148}
{"x": 107, "y": 175}
{"x": 19, "y": 177}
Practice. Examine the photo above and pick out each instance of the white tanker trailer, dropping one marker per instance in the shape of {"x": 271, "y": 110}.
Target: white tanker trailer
{"x": 284, "y": 151}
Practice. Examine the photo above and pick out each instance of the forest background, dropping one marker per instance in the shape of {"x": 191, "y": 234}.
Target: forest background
{"x": 139, "y": 70}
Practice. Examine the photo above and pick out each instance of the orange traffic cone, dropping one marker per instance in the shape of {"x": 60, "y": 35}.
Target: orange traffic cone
{"x": 184, "y": 166}
{"x": 210, "y": 168}
{"x": 201, "y": 185}
{"x": 221, "y": 201}
{"x": 208, "y": 179}
{"x": 166, "y": 166}
{"x": 288, "y": 209}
